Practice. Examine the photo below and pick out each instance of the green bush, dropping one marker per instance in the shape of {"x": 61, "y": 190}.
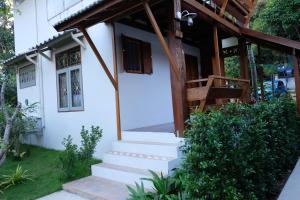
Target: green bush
{"x": 75, "y": 163}
{"x": 240, "y": 151}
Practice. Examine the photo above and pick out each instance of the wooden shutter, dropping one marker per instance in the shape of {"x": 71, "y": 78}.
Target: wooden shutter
{"x": 147, "y": 58}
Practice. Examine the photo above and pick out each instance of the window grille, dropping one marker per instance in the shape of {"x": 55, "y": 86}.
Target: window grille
{"x": 27, "y": 76}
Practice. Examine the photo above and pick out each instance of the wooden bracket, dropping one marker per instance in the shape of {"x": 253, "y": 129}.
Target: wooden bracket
{"x": 99, "y": 57}
{"x": 29, "y": 58}
{"x": 75, "y": 37}
{"x": 161, "y": 38}
{"x": 45, "y": 55}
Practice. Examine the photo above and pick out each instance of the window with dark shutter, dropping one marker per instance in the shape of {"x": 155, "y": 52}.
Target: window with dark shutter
{"x": 136, "y": 56}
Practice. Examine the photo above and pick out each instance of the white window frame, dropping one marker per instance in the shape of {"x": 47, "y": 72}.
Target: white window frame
{"x": 68, "y": 70}
{"x": 28, "y": 84}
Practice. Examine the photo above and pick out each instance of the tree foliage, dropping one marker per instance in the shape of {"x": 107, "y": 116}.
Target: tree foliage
{"x": 6, "y": 30}
{"x": 277, "y": 17}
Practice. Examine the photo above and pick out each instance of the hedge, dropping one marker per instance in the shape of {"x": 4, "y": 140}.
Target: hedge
{"x": 240, "y": 151}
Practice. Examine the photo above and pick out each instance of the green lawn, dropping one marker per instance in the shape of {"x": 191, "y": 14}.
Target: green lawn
{"x": 42, "y": 164}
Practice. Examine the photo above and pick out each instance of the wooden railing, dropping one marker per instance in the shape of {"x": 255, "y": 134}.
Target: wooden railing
{"x": 216, "y": 87}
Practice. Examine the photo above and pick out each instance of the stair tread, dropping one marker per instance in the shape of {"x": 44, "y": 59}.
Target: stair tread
{"x": 151, "y": 143}
{"x": 138, "y": 155}
{"x": 124, "y": 168}
{"x": 92, "y": 187}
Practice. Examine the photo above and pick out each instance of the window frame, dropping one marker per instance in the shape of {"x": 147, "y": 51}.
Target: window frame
{"x": 29, "y": 65}
{"x": 143, "y": 60}
{"x": 68, "y": 71}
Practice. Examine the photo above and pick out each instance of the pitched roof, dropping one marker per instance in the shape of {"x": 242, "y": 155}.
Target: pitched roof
{"x": 56, "y": 40}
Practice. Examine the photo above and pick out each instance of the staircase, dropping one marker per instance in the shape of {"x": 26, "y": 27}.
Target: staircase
{"x": 129, "y": 160}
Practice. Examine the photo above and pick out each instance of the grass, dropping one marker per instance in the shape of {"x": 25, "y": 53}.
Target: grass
{"x": 42, "y": 164}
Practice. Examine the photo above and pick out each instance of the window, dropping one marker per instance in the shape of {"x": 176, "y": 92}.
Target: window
{"x": 69, "y": 81}
{"x": 136, "y": 56}
{"x": 27, "y": 76}
{"x": 55, "y": 7}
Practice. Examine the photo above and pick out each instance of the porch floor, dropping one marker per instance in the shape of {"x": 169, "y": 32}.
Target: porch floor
{"x": 166, "y": 128}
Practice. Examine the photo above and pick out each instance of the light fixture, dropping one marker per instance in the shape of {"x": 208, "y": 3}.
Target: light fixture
{"x": 186, "y": 16}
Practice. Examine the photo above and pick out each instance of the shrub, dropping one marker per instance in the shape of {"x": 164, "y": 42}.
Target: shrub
{"x": 164, "y": 188}
{"x": 89, "y": 141}
{"x": 75, "y": 163}
{"x": 17, "y": 177}
{"x": 240, "y": 151}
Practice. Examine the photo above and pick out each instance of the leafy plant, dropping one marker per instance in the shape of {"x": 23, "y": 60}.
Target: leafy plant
{"x": 18, "y": 177}
{"x": 68, "y": 158}
{"x": 75, "y": 162}
{"x": 89, "y": 141}
{"x": 164, "y": 188}
{"x": 138, "y": 193}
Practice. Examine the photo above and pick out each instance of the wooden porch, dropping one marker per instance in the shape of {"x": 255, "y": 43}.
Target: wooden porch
{"x": 216, "y": 20}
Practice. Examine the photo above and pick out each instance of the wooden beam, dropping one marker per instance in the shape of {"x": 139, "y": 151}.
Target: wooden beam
{"x": 297, "y": 80}
{"x": 116, "y": 77}
{"x": 161, "y": 38}
{"x": 214, "y": 16}
{"x": 178, "y": 86}
{"x": 99, "y": 57}
{"x": 223, "y": 8}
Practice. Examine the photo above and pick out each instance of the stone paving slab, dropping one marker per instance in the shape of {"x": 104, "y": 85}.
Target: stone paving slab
{"x": 291, "y": 190}
{"x": 95, "y": 188}
{"x": 62, "y": 195}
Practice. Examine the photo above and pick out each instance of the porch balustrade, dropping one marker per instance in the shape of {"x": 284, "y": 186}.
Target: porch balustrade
{"x": 216, "y": 87}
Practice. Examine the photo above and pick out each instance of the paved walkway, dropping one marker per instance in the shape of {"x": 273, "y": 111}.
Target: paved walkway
{"x": 62, "y": 195}
{"x": 291, "y": 190}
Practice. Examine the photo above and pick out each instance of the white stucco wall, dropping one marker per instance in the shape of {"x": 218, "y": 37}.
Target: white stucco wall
{"x": 146, "y": 100}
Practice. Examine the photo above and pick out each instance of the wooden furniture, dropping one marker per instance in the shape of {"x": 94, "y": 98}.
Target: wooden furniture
{"x": 231, "y": 88}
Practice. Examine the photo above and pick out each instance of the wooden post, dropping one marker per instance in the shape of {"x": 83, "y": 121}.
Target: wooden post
{"x": 261, "y": 80}
{"x": 244, "y": 73}
{"x": 216, "y": 57}
{"x": 297, "y": 79}
{"x": 117, "y": 95}
{"x": 178, "y": 86}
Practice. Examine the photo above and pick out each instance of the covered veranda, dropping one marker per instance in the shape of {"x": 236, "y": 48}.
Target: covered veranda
{"x": 216, "y": 20}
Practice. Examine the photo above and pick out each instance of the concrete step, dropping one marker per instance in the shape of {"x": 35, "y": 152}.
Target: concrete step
{"x": 97, "y": 189}
{"x": 151, "y": 137}
{"x": 127, "y": 175}
{"x": 142, "y": 161}
{"x": 150, "y": 148}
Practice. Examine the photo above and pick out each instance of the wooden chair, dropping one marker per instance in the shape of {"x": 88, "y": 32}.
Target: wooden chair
{"x": 217, "y": 87}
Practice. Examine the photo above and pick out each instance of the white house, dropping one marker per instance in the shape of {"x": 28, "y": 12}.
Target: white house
{"x": 125, "y": 66}
{"x": 76, "y": 92}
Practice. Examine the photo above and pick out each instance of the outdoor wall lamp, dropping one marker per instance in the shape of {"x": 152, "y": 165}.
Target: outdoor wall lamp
{"x": 186, "y": 16}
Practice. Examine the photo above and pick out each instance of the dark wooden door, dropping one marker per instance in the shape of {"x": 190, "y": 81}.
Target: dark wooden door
{"x": 192, "y": 73}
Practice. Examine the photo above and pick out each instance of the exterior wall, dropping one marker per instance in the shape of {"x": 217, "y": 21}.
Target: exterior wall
{"x": 146, "y": 100}
{"x": 98, "y": 92}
